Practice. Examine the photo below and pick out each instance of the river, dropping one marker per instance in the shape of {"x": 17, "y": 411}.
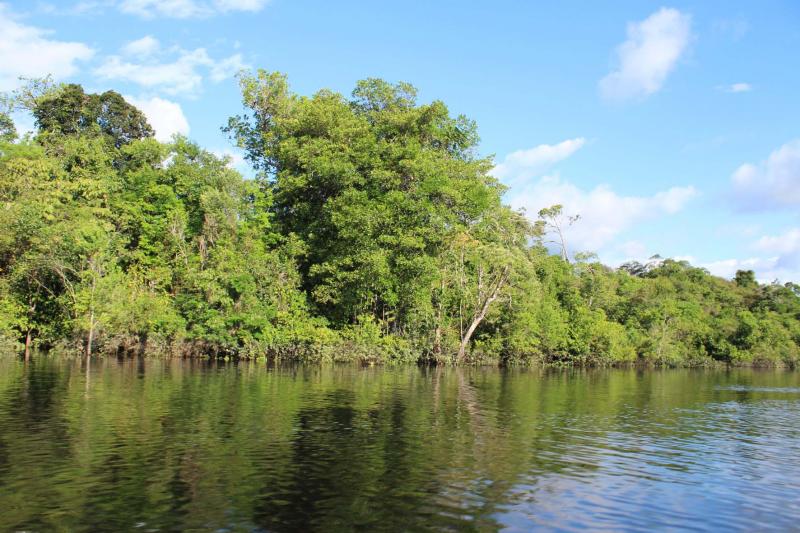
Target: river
{"x": 155, "y": 445}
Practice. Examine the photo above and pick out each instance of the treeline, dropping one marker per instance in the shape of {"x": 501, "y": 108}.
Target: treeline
{"x": 373, "y": 231}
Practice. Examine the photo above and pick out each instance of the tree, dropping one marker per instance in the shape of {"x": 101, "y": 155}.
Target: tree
{"x": 22, "y": 98}
{"x": 551, "y": 221}
{"x": 8, "y": 132}
{"x": 745, "y": 278}
{"x": 373, "y": 186}
{"x": 373, "y": 231}
{"x": 68, "y": 110}
{"x": 488, "y": 259}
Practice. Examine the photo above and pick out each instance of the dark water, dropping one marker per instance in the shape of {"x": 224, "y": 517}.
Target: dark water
{"x": 155, "y": 446}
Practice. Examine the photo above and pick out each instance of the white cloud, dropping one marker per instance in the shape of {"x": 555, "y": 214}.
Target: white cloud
{"x": 651, "y": 52}
{"x": 144, "y": 47}
{"x": 726, "y": 268}
{"x": 633, "y": 250}
{"x": 166, "y": 117}
{"x": 183, "y": 75}
{"x": 774, "y": 183}
{"x": 788, "y": 243}
{"x": 740, "y": 87}
{"x": 240, "y": 5}
{"x": 227, "y": 68}
{"x": 89, "y": 6}
{"x": 235, "y": 159}
{"x": 188, "y": 8}
{"x": 604, "y": 213}
{"x": 767, "y": 269}
{"x": 781, "y": 259}
{"x": 179, "y": 76}
{"x": 787, "y": 248}
{"x": 66, "y": 9}
{"x": 166, "y": 8}
{"x": 28, "y": 52}
{"x": 526, "y": 164}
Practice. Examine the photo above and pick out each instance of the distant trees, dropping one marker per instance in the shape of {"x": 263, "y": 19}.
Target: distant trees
{"x": 745, "y": 278}
{"x": 372, "y": 231}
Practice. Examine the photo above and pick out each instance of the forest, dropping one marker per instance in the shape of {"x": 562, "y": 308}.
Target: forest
{"x": 373, "y": 231}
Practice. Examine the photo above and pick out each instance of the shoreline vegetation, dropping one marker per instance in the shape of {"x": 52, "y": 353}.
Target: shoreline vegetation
{"x": 372, "y": 232}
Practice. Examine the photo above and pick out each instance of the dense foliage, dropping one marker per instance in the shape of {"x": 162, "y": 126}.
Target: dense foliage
{"x": 373, "y": 231}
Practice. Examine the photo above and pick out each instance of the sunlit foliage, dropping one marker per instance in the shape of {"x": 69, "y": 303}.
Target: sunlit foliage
{"x": 372, "y": 231}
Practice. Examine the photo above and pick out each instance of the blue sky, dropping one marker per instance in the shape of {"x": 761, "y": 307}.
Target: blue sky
{"x": 672, "y": 128}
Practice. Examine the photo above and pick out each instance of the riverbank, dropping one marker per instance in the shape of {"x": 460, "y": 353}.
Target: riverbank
{"x": 377, "y": 356}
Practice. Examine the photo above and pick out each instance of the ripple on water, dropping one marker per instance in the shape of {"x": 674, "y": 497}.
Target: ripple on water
{"x": 173, "y": 445}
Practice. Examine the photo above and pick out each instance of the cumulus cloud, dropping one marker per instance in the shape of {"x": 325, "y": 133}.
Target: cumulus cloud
{"x": 28, "y": 51}
{"x": 227, "y": 67}
{"x": 647, "y": 57}
{"x": 779, "y": 259}
{"x": 181, "y": 75}
{"x": 788, "y": 243}
{"x": 604, "y": 213}
{"x": 529, "y": 163}
{"x": 767, "y": 269}
{"x": 144, "y": 47}
{"x": 787, "y": 249}
{"x": 764, "y": 267}
{"x": 166, "y": 117}
{"x": 187, "y": 8}
{"x": 771, "y": 184}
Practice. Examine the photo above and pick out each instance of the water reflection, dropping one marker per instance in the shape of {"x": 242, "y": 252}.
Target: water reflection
{"x": 166, "y": 445}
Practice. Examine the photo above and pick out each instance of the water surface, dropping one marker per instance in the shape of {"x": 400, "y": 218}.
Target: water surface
{"x": 157, "y": 446}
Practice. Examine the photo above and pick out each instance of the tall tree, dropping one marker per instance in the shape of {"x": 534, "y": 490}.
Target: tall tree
{"x": 374, "y": 185}
{"x": 68, "y": 110}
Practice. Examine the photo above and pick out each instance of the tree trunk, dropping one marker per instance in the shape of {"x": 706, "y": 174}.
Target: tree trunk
{"x": 87, "y": 377}
{"x": 142, "y": 344}
{"x": 90, "y": 339}
{"x": 90, "y": 336}
{"x": 462, "y": 349}
{"x": 437, "y": 332}
{"x": 29, "y": 330}
{"x": 28, "y": 340}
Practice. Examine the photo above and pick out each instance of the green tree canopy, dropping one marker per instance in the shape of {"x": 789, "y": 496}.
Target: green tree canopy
{"x": 68, "y": 110}
{"x": 373, "y": 230}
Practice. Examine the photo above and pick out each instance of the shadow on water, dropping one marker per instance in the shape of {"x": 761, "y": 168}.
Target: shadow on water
{"x": 170, "y": 445}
